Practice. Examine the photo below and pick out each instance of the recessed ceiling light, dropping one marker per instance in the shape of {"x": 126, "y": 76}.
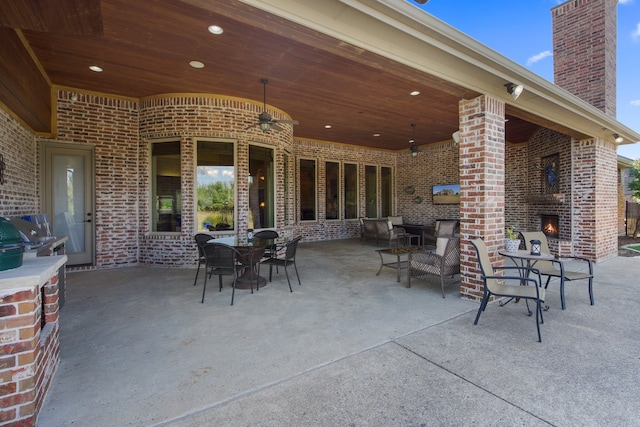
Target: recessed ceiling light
{"x": 196, "y": 64}
{"x": 376, "y": 134}
{"x": 95, "y": 68}
{"x": 327, "y": 126}
{"x": 215, "y": 29}
{"x": 415, "y": 93}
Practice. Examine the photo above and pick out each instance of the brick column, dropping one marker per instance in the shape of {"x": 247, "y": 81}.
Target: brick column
{"x": 594, "y": 199}
{"x": 482, "y": 149}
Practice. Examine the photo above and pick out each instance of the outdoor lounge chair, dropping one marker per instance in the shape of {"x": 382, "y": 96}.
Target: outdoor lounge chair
{"x": 556, "y": 267}
{"x": 496, "y": 285}
{"x": 443, "y": 262}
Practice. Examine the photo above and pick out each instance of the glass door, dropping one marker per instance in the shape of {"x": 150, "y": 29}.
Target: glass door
{"x": 68, "y": 198}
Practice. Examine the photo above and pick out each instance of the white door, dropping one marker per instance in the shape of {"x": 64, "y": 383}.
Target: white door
{"x": 67, "y": 176}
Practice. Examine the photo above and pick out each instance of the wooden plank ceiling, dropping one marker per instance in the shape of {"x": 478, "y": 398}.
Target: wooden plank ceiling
{"x": 145, "y": 47}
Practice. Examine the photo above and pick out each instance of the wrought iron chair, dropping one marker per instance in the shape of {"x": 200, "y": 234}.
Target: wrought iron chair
{"x": 556, "y": 267}
{"x": 496, "y": 285}
{"x": 201, "y": 240}
{"x": 267, "y": 235}
{"x": 286, "y": 259}
{"x": 222, "y": 260}
{"x": 443, "y": 262}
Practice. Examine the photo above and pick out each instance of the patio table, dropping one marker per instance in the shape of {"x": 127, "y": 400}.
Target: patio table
{"x": 251, "y": 255}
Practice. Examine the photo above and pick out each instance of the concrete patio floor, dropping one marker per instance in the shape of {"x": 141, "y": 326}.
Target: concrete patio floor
{"x": 345, "y": 348}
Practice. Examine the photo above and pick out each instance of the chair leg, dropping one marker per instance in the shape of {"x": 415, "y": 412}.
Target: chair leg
{"x": 287, "y": 273}
{"x": 442, "y": 285}
{"x": 233, "y": 292}
{"x": 483, "y": 304}
{"x": 591, "y": 290}
{"x": 270, "y": 271}
{"x": 564, "y": 305}
{"x": 538, "y": 317}
{"x": 204, "y": 288}
{"x": 197, "y": 272}
{"x": 220, "y": 282}
{"x": 297, "y": 275}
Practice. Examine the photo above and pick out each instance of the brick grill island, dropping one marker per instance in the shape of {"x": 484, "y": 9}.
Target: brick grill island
{"x": 29, "y": 337}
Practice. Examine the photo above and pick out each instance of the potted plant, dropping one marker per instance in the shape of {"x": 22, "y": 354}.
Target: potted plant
{"x": 511, "y": 243}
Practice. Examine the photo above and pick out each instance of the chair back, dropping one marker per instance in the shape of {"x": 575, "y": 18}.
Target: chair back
{"x": 201, "y": 240}
{"x": 292, "y": 247}
{"x": 486, "y": 267}
{"x": 219, "y": 255}
{"x": 445, "y": 228}
{"x": 266, "y": 234}
{"x": 528, "y": 236}
{"x": 452, "y": 254}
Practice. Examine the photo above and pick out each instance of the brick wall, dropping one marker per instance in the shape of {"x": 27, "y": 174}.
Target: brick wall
{"x": 19, "y": 195}
{"x": 110, "y": 125}
{"x": 29, "y": 352}
{"x": 547, "y": 143}
{"x": 584, "y": 51}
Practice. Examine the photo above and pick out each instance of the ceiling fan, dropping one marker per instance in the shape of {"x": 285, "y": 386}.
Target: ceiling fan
{"x": 264, "y": 119}
{"x": 413, "y": 149}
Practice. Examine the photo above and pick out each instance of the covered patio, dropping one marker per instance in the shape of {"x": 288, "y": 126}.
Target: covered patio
{"x": 345, "y": 348}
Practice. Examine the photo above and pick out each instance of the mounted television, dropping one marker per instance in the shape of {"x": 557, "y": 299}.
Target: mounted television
{"x": 446, "y": 194}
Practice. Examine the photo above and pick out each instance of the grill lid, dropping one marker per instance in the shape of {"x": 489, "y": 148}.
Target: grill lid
{"x": 9, "y": 234}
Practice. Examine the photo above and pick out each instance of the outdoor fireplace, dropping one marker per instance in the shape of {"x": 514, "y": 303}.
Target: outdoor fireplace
{"x": 550, "y": 225}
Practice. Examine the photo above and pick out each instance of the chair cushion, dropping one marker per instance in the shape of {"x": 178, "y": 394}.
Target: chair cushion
{"x": 395, "y": 220}
{"x": 441, "y": 245}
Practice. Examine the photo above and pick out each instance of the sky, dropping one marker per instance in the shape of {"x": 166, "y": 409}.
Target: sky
{"x": 521, "y": 31}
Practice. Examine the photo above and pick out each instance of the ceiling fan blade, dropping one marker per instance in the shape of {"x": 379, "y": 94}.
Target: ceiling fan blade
{"x": 250, "y": 126}
{"x": 275, "y": 126}
{"x": 289, "y": 122}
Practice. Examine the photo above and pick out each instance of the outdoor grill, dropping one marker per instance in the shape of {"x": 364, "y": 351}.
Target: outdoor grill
{"x": 35, "y": 239}
{"x": 11, "y": 246}
{"x": 34, "y": 236}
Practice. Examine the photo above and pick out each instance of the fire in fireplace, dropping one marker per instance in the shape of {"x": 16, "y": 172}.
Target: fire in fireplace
{"x": 550, "y": 225}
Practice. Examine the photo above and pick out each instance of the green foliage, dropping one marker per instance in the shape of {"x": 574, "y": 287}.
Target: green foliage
{"x": 215, "y": 196}
{"x": 634, "y": 184}
{"x": 511, "y": 233}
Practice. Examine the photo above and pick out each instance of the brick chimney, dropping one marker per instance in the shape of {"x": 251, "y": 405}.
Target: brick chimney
{"x": 584, "y": 50}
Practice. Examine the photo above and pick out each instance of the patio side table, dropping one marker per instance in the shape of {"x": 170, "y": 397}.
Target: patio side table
{"x": 399, "y": 264}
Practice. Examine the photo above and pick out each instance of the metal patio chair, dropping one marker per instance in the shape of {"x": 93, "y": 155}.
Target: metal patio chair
{"x": 496, "y": 285}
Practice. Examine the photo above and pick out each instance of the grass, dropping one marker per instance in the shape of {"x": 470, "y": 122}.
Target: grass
{"x": 634, "y": 247}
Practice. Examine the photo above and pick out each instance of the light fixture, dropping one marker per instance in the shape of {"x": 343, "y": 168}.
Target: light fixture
{"x": 413, "y": 150}
{"x": 215, "y": 29}
{"x": 196, "y": 64}
{"x": 95, "y": 68}
{"x": 456, "y": 136}
{"x": 265, "y": 126}
{"x": 514, "y": 90}
{"x": 618, "y": 139}
{"x": 415, "y": 93}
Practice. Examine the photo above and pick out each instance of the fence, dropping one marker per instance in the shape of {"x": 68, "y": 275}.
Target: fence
{"x": 632, "y": 215}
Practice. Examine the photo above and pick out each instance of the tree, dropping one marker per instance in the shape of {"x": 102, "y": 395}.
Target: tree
{"x": 634, "y": 184}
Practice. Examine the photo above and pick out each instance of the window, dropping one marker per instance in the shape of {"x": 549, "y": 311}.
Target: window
{"x": 386, "y": 191}
{"x": 215, "y": 183}
{"x": 307, "y": 189}
{"x": 350, "y": 191}
{"x": 371, "y": 191}
{"x": 166, "y": 186}
{"x": 332, "y": 189}
{"x": 261, "y": 188}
